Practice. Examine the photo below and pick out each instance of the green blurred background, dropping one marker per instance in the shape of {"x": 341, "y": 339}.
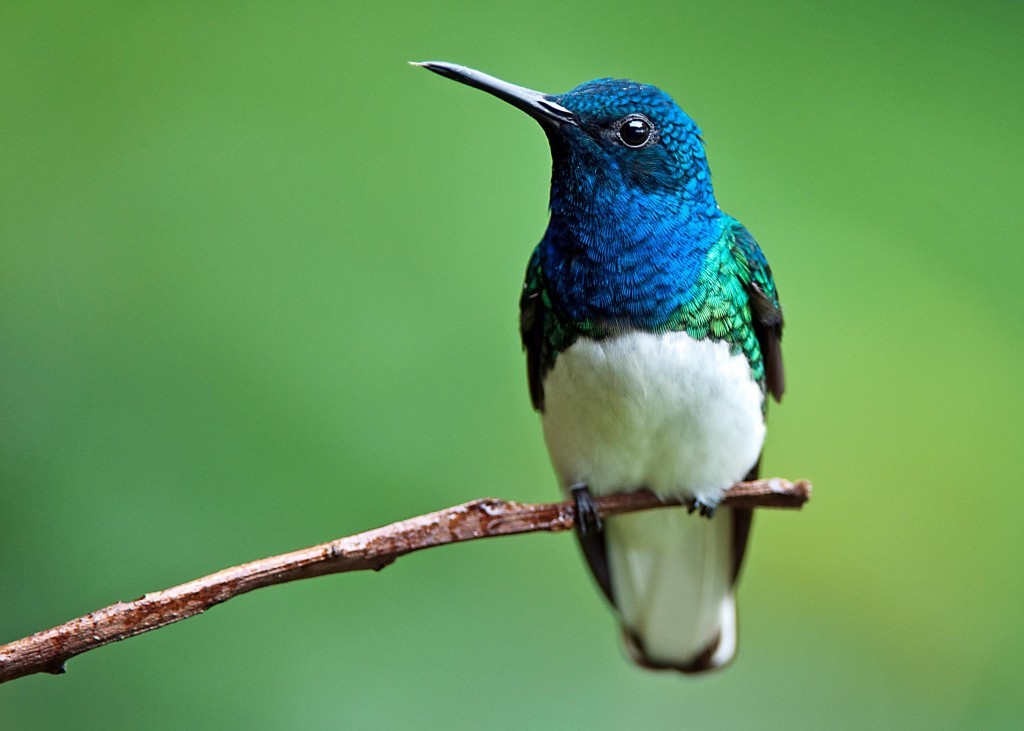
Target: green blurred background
{"x": 258, "y": 289}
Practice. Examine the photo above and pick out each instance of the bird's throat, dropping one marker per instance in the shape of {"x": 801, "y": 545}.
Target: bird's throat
{"x": 621, "y": 259}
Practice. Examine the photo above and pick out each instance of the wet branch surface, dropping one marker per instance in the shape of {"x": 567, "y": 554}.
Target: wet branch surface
{"x": 47, "y": 651}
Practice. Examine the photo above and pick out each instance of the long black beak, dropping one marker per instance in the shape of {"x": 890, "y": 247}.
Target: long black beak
{"x": 537, "y": 105}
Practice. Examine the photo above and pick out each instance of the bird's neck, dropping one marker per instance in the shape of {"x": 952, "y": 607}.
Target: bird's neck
{"x": 622, "y": 256}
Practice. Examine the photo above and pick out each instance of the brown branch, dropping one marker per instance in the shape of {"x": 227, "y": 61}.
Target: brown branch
{"x": 47, "y": 651}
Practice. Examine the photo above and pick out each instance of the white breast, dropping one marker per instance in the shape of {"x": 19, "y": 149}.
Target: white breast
{"x": 663, "y": 411}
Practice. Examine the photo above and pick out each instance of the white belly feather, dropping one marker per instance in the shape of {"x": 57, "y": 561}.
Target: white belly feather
{"x": 680, "y": 417}
{"x": 663, "y": 411}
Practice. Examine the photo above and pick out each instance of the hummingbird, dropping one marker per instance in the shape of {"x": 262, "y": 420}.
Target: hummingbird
{"x": 651, "y": 325}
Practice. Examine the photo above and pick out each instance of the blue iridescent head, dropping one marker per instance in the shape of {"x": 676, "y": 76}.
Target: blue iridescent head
{"x": 612, "y": 135}
{"x": 632, "y": 210}
{"x": 638, "y": 131}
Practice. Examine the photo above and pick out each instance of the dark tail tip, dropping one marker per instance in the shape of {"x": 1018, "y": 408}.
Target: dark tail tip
{"x": 702, "y": 663}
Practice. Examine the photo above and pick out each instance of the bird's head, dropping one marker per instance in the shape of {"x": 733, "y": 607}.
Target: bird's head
{"x": 612, "y": 136}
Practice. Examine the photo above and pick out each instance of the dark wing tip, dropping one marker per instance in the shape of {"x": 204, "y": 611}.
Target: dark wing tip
{"x": 775, "y": 374}
{"x": 767, "y": 322}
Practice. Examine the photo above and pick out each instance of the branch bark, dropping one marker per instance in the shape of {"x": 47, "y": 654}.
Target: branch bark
{"x": 47, "y": 651}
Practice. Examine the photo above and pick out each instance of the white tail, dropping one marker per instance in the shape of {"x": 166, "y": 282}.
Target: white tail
{"x": 672, "y": 577}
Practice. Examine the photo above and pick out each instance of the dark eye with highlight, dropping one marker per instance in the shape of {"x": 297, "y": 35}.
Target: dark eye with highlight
{"x": 635, "y": 131}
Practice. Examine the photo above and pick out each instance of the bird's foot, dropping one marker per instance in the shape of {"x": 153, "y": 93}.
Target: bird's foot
{"x": 588, "y": 519}
{"x": 706, "y": 508}
{"x": 590, "y": 534}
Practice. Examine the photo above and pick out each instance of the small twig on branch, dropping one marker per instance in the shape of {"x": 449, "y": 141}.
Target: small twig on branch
{"x": 47, "y": 651}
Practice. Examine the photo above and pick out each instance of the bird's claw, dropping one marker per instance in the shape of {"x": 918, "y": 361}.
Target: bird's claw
{"x": 588, "y": 519}
{"x": 590, "y": 534}
{"x": 705, "y": 508}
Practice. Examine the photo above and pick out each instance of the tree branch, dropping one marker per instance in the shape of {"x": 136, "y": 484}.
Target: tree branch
{"x": 47, "y": 651}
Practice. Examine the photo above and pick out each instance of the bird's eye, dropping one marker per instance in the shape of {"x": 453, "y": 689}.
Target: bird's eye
{"x": 635, "y": 131}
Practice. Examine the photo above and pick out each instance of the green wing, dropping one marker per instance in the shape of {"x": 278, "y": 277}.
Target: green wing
{"x": 765, "y": 311}
{"x": 544, "y": 334}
